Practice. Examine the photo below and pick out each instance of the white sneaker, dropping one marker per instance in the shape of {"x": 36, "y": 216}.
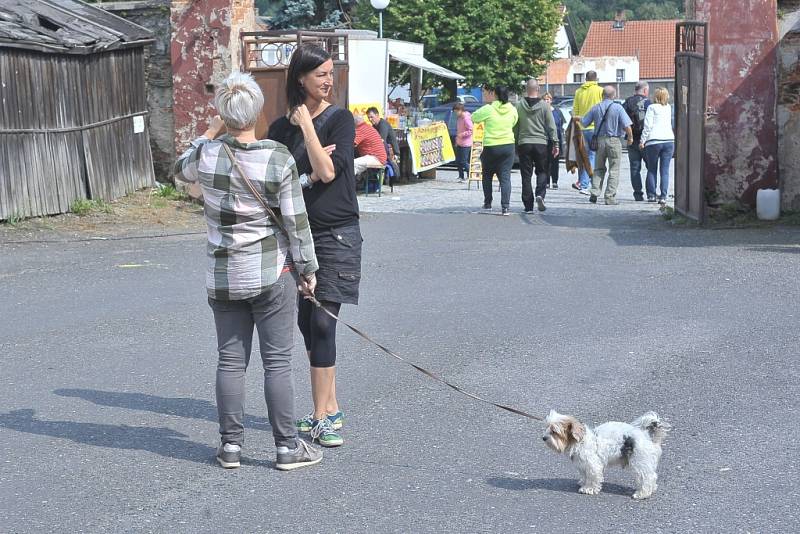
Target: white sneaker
{"x": 584, "y": 192}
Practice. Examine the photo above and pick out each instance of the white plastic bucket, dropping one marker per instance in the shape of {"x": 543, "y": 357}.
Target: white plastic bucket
{"x": 768, "y": 204}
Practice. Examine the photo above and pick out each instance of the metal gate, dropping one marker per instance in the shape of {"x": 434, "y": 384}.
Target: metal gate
{"x": 691, "y": 59}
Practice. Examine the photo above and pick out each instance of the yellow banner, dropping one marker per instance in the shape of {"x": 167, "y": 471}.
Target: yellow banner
{"x": 430, "y": 147}
{"x": 361, "y": 109}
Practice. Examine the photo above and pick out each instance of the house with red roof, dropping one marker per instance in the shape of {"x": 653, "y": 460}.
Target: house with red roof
{"x": 622, "y": 52}
{"x": 651, "y": 41}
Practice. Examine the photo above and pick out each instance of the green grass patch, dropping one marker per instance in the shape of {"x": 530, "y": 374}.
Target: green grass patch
{"x": 169, "y": 192}
{"x": 82, "y": 207}
{"x": 14, "y": 219}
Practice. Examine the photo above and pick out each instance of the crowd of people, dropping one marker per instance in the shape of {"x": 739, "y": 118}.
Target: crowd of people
{"x": 534, "y": 131}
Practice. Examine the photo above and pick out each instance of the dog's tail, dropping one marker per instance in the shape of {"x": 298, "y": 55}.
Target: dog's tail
{"x": 655, "y": 427}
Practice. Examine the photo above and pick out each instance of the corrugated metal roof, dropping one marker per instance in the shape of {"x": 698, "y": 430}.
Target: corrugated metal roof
{"x": 64, "y": 26}
{"x": 652, "y": 41}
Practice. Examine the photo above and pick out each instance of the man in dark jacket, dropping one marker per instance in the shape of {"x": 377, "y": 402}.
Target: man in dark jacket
{"x": 389, "y": 138}
{"x": 384, "y": 128}
{"x": 636, "y": 108}
{"x": 534, "y": 131}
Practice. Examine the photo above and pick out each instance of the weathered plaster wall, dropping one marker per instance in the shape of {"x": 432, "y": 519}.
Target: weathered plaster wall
{"x": 205, "y": 48}
{"x": 155, "y": 16}
{"x": 789, "y": 104}
{"x": 742, "y": 140}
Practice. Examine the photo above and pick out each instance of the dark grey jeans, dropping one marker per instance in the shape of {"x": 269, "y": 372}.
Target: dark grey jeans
{"x": 273, "y": 315}
{"x": 497, "y": 160}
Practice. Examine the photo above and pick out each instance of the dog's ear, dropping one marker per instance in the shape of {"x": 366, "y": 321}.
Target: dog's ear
{"x": 576, "y": 430}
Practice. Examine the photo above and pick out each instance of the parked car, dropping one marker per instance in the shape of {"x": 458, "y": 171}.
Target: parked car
{"x": 467, "y": 99}
{"x": 429, "y": 101}
{"x": 563, "y": 101}
{"x": 445, "y": 114}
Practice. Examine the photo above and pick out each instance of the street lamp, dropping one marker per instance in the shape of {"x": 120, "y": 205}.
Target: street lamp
{"x": 380, "y": 5}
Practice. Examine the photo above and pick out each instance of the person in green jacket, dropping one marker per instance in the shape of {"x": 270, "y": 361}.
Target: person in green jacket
{"x": 587, "y": 96}
{"x": 499, "y": 118}
{"x": 536, "y": 136}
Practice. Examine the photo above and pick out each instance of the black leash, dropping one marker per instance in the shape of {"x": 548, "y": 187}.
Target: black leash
{"x": 355, "y": 330}
{"x": 422, "y": 369}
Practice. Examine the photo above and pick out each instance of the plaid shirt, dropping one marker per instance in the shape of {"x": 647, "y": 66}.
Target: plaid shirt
{"x": 247, "y": 252}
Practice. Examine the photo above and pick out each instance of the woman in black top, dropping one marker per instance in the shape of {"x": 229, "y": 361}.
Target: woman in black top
{"x": 320, "y": 137}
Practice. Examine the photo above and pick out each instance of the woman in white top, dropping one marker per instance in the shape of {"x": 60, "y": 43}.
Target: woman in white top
{"x": 658, "y": 143}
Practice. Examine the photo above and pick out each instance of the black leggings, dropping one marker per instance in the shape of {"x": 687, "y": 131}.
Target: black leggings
{"x": 319, "y": 331}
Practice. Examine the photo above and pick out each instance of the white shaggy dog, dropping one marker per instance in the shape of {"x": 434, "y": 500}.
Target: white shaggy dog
{"x": 636, "y": 445}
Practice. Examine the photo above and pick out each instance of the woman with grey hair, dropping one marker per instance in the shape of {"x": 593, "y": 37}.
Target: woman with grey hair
{"x": 254, "y": 264}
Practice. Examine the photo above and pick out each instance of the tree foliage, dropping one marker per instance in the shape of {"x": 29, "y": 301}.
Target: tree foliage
{"x": 583, "y": 12}
{"x": 487, "y": 41}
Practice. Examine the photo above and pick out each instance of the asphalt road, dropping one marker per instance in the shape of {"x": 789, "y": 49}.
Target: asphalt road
{"x": 107, "y": 418}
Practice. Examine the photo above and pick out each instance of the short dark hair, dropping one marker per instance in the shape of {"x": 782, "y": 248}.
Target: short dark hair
{"x": 501, "y": 92}
{"x": 373, "y": 109}
{"x": 458, "y": 106}
{"x": 305, "y": 58}
{"x": 591, "y": 76}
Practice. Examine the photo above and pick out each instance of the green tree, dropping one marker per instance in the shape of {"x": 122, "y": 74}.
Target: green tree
{"x": 486, "y": 41}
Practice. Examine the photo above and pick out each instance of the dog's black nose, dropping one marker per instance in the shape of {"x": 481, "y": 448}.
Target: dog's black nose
{"x": 544, "y": 438}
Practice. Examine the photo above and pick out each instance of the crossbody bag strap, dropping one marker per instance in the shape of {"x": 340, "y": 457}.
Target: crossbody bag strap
{"x": 252, "y": 188}
{"x": 602, "y": 122}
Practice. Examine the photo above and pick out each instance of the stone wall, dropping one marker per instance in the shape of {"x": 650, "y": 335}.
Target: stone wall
{"x": 155, "y": 16}
{"x": 789, "y": 104}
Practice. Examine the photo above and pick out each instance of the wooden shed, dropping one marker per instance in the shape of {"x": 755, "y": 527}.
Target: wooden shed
{"x": 73, "y": 106}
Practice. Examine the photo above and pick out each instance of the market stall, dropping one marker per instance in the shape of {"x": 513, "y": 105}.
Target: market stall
{"x": 369, "y": 60}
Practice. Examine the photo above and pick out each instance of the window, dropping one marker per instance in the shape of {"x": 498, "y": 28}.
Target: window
{"x": 577, "y": 78}
{"x": 620, "y": 75}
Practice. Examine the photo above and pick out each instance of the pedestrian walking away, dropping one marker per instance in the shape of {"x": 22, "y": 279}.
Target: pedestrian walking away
{"x": 499, "y": 118}
{"x": 463, "y": 139}
{"x": 320, "y": 137}
{"x": 553, "y": 165}
{"x": 636, "y": 108}
{"x": 535, "y": 133}
{"x": 587, "y": 96}
{"x": 612, "y": 124}
{"x": 253, "y": 265}
{"x": 658, "y": 143}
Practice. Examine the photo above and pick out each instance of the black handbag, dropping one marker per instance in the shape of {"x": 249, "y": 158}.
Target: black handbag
{"x": 593, "y": 140}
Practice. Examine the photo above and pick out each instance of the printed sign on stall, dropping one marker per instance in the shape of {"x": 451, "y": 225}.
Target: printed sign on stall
{"x": 361, "y": 109}
{"x": 430, "y": 147}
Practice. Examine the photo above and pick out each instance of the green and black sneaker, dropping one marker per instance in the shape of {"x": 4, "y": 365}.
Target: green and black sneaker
{"x": 304, "y": 424}
{"x": 323, "y": 433}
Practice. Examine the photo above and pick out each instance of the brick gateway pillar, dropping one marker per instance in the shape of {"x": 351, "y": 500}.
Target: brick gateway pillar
{"x": 204, "y": 50}
{"x": 741, "y": 128}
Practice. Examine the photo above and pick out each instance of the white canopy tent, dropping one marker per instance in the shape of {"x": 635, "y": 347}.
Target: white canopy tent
{"x": 369, "y": 61}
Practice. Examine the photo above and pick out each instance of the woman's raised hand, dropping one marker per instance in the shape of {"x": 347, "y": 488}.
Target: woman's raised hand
{"x": 300, "y": 116}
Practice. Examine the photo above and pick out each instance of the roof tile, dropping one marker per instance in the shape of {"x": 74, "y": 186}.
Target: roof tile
{"x": 652, "y": 41}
